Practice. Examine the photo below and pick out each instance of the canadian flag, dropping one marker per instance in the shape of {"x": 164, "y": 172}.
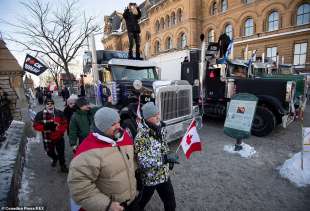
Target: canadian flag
{"x": 191, "y": 142}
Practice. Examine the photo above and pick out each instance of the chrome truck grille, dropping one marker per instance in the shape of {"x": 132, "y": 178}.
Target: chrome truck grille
{"x": 175, "y": 102}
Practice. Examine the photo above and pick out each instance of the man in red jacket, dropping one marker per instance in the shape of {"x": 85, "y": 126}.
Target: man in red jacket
{"x": 52, "y": 123}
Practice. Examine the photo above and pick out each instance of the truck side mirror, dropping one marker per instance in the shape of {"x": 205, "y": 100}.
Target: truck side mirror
{"x": 158, "y": 71}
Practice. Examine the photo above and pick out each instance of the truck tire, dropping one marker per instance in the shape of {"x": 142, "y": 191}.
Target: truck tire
{"x": 130, "y": 127}
{"x": 264, "y": 122}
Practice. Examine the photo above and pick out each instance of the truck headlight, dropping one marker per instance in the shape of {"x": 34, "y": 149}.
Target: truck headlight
{"x": 137, "y": 84}
{"x": 290, "y": 91}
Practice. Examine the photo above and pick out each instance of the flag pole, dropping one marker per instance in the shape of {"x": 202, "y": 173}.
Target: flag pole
{"x": 176, "y": 152}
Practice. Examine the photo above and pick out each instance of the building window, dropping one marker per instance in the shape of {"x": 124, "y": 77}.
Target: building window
{"x": 179, "y": 15}
{"x": 224, "y": 5}
{"x": 213, "y": 8}
{"x": 157, "y": 47}
{"x": 157, "y": 26}
{"x": 300, "y": 53}
{"x": 303, "y": 14}
{"x": 248, "y": 1}
{"x": 148, "y": 36}
{"x": 272, "y": 53}
{"x": 162, "y": 23}
{"x": 210, "y": 35}
{"x": 273, "y": 21}
{"x": 173, "y": 18}
{"x": 249, "y": 27}
{"x": 168, "y": 43}
{"x": 167, "y": 21}
{"x": 182, "y": 40}
{"x": 229, "y": 30}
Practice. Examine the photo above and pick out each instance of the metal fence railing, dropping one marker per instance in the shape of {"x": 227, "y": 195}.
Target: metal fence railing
{"x": 5, "y": 116}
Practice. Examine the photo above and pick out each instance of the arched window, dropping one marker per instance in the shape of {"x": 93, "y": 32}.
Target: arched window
{"x": 303, "y": 14}
{"x": 224, "y": 5}
{"x": 273, "y": 21}
{"x": 182, "y": 40}
{"x": 157, "y": 26}
{"x": 168, "y": 43}
{"x": 229, "y": 30}
{"x": 148, "y": 36}
{"x": 249, "y": 27}
{"x": 157, "y": 47}
{"x": 167, "y": 21}
{"x": 179, "y": 15}
{"x": 173, "y": 21}
{"x": 162, "y": 23}
{"x": 210, "y": 35}
{"x": 213, "y": 8}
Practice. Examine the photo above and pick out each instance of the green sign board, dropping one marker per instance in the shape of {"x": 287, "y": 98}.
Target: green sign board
{"x": 240, "y": 115}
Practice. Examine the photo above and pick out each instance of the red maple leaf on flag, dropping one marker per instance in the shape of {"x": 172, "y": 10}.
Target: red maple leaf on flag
{"x": 189, "y": 139}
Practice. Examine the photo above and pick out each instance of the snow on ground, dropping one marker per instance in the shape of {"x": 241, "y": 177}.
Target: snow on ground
{"x": 291, "y": 170}
{"x": 28, "y": 174}
{"x": 247, "y": 150}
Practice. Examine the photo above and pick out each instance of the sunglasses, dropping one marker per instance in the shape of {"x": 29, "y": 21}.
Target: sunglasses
{"x": 49, "y": 103}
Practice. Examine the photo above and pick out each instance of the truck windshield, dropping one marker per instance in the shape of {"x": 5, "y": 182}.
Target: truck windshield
{"x": 134, "y": 73}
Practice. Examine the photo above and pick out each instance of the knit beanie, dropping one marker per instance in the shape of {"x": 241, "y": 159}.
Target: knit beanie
{"x": 49, "y": 100}
{"x": 149, "y": 110}
{"x": 105, "y": 117}
{"x": 81, "y": 102}
{"x": 72, "y": 99}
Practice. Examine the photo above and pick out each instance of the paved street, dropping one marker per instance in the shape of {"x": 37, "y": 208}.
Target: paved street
{"x": 210, "y": 180}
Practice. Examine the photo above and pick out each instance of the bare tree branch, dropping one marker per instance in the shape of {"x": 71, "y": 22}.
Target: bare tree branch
{"x": 57, "y": 33}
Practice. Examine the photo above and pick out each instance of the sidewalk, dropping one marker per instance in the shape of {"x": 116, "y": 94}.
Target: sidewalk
{"x": 43, "y": 185}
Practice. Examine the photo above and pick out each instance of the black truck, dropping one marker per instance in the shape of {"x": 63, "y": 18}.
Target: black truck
{"x": 136, "y": 81}
{"x": 216, "y": 82}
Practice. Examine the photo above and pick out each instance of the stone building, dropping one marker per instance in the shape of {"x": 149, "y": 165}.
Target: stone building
{"x": 278, "y": 27}
{"x": 11, "y": 82}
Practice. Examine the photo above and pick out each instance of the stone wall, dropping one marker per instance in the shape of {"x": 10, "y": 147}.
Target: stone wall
{"x": 5, "y": 84}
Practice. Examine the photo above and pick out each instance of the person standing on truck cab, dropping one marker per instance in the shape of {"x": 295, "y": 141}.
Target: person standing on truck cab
{"x": 131, "y": 15}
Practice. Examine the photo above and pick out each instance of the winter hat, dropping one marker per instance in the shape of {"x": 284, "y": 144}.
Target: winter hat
{"x": 72, "y": 99}
{"x": 81, "y": 102}
{"x": 49, "y": 100}
{"x": 149, "y": 110}
{"x": 105, "y": 117}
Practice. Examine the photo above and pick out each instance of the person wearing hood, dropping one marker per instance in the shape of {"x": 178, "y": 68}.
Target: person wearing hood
{"x": 153, "y": 158}
{"x": 101, "y": 174}
{"x": 81, "y": 121}
{"x": 53, "y": 124}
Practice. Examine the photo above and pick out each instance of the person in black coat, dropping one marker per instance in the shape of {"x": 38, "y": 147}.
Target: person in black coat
{"x": 223, "y": 43}
{"x": 70, "y": 108}
{"x": 132, "y": 14}
{"x": 65, "y": 93}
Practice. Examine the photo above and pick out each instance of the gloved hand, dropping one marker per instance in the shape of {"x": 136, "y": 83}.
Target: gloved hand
{"x": 50, "y": 126}
{"x": 171, "y": 158}
{"x": 74, "y": 148}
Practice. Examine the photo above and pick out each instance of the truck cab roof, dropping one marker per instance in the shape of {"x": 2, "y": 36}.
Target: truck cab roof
{"x": 132, "y": 63}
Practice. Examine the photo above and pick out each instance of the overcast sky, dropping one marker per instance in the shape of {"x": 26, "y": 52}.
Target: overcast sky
{"x": 10, "y": 10}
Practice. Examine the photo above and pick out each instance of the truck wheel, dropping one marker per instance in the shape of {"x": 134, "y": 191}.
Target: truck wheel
{"x": 130, "y": 127}
{"x": 264, "y": 122}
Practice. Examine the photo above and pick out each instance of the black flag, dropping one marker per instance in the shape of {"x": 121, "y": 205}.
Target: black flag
{"x": 34, "y": 66}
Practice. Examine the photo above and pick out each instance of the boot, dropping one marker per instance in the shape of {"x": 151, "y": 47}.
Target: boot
{"x": 54, "y": 163}
{"x": 64, "y": 168}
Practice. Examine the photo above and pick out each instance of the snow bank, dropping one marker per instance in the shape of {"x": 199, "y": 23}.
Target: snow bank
{"x": 291, "y": 170}
{"x": 247, "y": 150}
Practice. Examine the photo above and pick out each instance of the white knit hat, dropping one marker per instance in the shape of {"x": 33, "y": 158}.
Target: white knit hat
{"x": 72, "y": 98}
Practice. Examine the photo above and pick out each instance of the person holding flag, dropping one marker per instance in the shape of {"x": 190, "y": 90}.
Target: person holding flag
{"x": 153, "y": 158}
